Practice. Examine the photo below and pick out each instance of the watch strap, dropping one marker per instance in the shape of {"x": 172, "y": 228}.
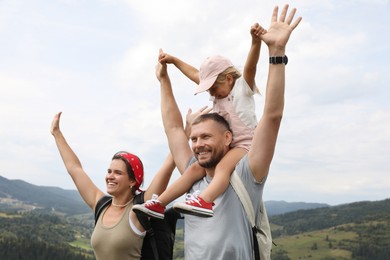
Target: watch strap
{"x": 278, "y": 60}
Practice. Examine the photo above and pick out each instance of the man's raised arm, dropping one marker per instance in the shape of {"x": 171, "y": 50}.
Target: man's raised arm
{"x": 172, "y": 120}
{"x": 264, "y": 140}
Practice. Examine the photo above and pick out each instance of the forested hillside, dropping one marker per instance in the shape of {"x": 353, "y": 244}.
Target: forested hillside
{"x": 353, "y": 231}
{"x": 32, "y": 227}
{"x": 358, "y": 230}
{"x": 38, "y": 236}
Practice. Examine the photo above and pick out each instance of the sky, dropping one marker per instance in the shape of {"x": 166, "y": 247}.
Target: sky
{"x": 94, "y": 60}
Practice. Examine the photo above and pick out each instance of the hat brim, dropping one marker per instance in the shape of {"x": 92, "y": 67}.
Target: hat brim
{"x": 205, "y": 85}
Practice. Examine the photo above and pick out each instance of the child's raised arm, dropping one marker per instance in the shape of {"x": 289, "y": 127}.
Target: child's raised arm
{"x": 249, "y": 72}
{"x": 191, "y": 72}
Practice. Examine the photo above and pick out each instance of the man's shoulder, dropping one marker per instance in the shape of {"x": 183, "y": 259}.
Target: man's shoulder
{"x": 191, "y": 161}
{"x": 243, "y": 164}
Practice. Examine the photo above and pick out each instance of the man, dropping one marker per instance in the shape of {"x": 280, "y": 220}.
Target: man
{"x": 227, "y": 235}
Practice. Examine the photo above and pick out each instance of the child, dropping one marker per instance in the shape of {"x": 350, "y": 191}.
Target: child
{"x": 232, "y": 98}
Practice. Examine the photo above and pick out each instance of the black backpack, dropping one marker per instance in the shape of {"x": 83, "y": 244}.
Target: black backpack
{"x": 160, "y": 233}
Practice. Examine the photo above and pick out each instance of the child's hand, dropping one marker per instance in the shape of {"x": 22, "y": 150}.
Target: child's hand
{"x": 257, "y": 31}
{"x": 165, "y": 58}
{"x": 190, "y": 117}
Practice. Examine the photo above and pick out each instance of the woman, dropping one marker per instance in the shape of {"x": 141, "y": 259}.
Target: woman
{"x": 118, "y": 234}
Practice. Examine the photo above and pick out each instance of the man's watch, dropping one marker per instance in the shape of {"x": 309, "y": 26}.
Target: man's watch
{"x": 278, "y": 60}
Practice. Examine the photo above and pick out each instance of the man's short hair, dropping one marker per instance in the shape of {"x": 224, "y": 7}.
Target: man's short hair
{"x": 214, "y": 117}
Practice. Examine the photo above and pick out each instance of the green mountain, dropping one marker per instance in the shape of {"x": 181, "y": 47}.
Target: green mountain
{"x": 359, "y": 230}
{"x": 321, "y": 218}
{"x": 280, "y": 207}
{"x": 20, "y": 195}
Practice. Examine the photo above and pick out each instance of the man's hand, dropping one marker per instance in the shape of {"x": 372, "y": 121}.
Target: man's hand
{"x": 165, "y": 57}
{"x": 280, "y": 30}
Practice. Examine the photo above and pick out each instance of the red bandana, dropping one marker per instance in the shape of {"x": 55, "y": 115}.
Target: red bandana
{"x": 135, "y": 165}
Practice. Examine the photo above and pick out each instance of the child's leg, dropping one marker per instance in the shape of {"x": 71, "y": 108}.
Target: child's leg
{"x": 155, "y": 207}
{"x": 192, "y": 174}
{"x": 222, "y": 174}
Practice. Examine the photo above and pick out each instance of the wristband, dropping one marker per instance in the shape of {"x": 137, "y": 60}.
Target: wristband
{"x": 278, "y": 60}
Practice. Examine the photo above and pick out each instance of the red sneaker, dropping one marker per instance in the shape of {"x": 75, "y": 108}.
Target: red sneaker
{"x": 151, "y": 208}
{"x": 195, "y": 205}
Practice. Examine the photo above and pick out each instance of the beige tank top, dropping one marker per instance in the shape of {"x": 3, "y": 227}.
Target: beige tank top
{"x": 117, "y": 242}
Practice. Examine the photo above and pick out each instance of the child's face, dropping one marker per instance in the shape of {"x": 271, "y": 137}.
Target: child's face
{"x": 222, "y": 89}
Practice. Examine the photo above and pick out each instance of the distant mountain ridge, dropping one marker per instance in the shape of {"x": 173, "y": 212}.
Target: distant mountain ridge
{"x": 18, "y": 194}
{"x": 280, "y": 207}
{"x": 336, "y": 215}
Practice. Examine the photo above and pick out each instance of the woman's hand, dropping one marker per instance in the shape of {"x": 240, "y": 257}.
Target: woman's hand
{"x": 55, "y": 124}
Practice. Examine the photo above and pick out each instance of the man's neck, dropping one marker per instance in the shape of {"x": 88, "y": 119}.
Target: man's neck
{"x": 210, "y": 172}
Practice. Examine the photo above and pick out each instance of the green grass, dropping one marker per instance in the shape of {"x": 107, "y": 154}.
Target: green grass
{"x": 178, "y": 249}
{"x": 323, "y": 244}
{"x": 8, "y": 215}
{"x": 82, "y": 243}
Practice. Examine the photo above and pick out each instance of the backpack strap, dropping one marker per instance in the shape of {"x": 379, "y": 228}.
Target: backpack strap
{"x": 261, "y": 229}
{"x": 144, "y": 221}
{"x": 243, "y": 195}
{"x": 101, "y": 204}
